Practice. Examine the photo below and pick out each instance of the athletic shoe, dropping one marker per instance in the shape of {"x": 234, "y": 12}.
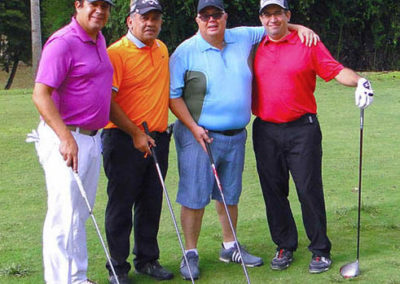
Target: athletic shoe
{"x": 319, "y": 264}
{"x": 155, "y": 270}
{"x": 193, "y": 260}
{"x": 88, "y": 281}
{"x": 282, "y": 260}
{"x": 122, "y": 279}
{"x": 232, "y": 254}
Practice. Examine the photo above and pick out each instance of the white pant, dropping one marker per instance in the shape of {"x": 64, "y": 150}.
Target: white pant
{"x": 64, "y": 235}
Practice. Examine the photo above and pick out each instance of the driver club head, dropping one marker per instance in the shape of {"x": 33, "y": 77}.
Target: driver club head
{"x": 350, "y": 270}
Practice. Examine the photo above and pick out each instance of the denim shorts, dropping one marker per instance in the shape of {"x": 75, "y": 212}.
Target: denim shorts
{"x": 197, "y": 183}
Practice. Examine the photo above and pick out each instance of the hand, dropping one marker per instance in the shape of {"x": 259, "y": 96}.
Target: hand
{"x": 364, "y": 95}
{"x": 69, "y": 151}
{"x": 307, "y": 36}
{"x": 201, "y": 136}
{"x": 143, "y": 142}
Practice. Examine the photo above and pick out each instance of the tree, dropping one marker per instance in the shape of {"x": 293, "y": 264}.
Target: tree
{"x": 362, "y": 34}
{"x": 14, "y": 36}
{"x": 36, "y": 35}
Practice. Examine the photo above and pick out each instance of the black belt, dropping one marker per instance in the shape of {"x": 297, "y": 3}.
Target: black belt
{"x": 231, "y": 132}
{"x": 155, "y": 134}
{"x": 308, "y": 118}
{"x": 82, "y": 130}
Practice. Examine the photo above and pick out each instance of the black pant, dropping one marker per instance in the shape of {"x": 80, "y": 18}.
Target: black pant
{"x": 132, "y": 182}
{"x": 293, "y": 147}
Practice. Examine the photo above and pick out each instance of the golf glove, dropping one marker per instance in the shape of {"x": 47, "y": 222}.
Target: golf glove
{"x": 364, "y": 95}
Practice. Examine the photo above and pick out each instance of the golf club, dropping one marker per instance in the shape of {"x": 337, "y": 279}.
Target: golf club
{"x": 226, "y": 208}
{"x": 352, "y": 269}
{"x": 153, "y": 153}
{"x": 83, "y": 193}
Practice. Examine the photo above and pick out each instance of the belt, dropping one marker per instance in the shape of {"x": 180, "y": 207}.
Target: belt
{"x": 307, "y": 118}
{"x": 231, "y": 132}
{"x": 155, "y": 134}
{"x": 82, "y": 130}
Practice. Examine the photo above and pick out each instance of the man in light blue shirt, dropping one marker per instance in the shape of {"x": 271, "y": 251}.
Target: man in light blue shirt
{"x": 210, "y": 94}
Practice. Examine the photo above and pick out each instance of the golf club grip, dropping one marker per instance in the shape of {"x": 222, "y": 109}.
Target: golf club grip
{"x": 209, "y": 152}
{"x": 153, "y": 152}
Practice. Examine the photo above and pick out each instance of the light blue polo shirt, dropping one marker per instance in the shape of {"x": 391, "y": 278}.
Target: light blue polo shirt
{"x": 216, "y": 84}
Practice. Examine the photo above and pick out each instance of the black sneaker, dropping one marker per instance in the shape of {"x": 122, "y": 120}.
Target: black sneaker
{"x": 155, "y": 270}
{"x": 283, "y": 258}
{"x": 319, "y": 264}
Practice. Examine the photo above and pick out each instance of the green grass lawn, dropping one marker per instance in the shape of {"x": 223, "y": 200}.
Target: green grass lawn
{"x": 23, "y": 198}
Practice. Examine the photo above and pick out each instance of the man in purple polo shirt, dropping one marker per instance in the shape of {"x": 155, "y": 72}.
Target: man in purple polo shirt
{"x": 72, "y": 93}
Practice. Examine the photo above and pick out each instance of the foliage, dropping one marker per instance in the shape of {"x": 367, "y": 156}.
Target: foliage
{"x": 362, "y": 34}
{"x": 14, "y": 32}
{"x": 55, "y": 14}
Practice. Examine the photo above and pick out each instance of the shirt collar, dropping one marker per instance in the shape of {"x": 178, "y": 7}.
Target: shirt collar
{"x": 204, "y": 45}
{"x": 137, "y": 42}
{"x": 80, "y": 32}
{"x": 290, "y": 38}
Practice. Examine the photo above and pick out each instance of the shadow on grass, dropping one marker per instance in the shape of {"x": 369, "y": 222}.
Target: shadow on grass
{"x": 15, "y": 270}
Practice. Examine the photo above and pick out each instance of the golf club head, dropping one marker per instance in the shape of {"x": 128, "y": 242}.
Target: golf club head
{"x": 350, "y": 270}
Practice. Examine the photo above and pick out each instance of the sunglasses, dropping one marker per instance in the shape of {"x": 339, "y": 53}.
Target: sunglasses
{"x": 215, "y": 16}
{"x": 277, "y": 13}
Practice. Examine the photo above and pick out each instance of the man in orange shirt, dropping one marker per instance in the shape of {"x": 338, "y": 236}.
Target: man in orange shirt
{"x": 140, "y": 93}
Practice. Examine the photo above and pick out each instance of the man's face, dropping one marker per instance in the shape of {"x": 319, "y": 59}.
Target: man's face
{"x": 145, "y": 27}
{"x": 275, "y": 21}
{"x": 92, "y": 16}
{"x": 211, "y": 22}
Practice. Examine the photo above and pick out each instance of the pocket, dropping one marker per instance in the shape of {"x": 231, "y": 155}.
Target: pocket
{"x": 44, "y": 149}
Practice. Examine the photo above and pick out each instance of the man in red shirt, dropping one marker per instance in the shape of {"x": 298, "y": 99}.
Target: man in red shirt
{"x": 286, "y": 132}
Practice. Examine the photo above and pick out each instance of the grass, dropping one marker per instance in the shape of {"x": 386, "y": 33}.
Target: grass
{"x": 23, "y": 198}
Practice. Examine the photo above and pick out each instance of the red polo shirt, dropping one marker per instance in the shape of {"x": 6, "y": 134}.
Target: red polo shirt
{"x": 285, "y": 78}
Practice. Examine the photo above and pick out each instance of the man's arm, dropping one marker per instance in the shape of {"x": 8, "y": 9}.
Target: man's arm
{"x": 119, "y": 118}
{"x": 306, "y": 35}
{"x": 180, "y": 110}
{"x": 45, "y": 105}
{"x": 347, "y": 77}
{"x": 364, "y": 93}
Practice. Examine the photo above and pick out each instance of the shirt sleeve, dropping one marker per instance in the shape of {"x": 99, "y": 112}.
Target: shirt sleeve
{"x": 177, "y": 74}
{"x": 55, "y": 63}
{"x": 256, "y": 34}
{"x": 117, "y": 64}
{"x": 324, "y": 64}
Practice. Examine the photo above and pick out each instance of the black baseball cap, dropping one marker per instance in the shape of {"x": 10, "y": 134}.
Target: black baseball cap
{"x": 107, "y": 1}
{"x": 219, "y": 4}
{"x": 143, "y": 6}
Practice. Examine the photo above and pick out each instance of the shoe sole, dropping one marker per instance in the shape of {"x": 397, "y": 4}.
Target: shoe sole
{"x": 189, "y": 279}
{"x": 246, "y": 264}
{"x": 318, "y": 271}
{"x": 274, "y": 267}
{"x": 154, "y": 277}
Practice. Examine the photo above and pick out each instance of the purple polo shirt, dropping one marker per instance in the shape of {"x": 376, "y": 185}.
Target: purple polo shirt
{"x": 80, "y": 72}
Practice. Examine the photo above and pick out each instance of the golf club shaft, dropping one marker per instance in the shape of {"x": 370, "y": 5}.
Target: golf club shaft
{"x": 83, "y": 193}
{"x": 171, "y": 211}
{"x": 226, "y": 209}
{"x": 360, "y": 181}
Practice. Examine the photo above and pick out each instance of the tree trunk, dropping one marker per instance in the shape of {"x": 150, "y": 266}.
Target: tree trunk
{"x": 12, "y": 75}
{"x": 36, "y": 35}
